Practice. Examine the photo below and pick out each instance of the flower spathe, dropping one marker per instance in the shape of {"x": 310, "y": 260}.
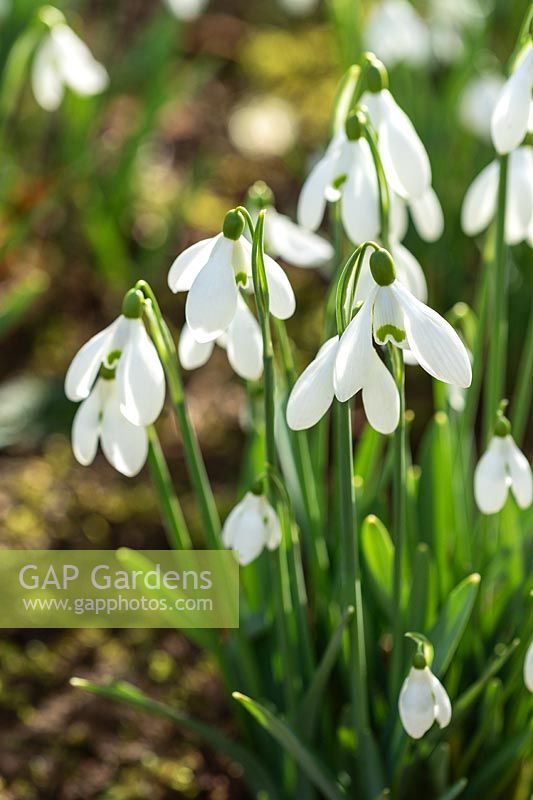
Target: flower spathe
{"x": 509, "y": 121}
{"x": 140, "y": 379}
{"x": 99, "y": 418}
{"x": 250, "y": 527}
{"x": 211, "y": 271}
{"x": 502, "y": 467}
{"x": 528, "y": 667}
{"x": 242, "y": 342}
{"x": 423, "y": 700}
{"x": 62, "y": 59}
{"x": 479, "y": 204}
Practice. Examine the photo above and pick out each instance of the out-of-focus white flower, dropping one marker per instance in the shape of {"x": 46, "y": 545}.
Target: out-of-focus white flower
{"x": 99, "y": 417}
{"x": 509, "y": 123}
{"x": 404, "y": 157}
{"x": 250, "y": 527}
{"x": 423, "y": 700}
{"x": 186, "y": 10}
{"x": 62, "y": 59}
{"x": 212, "y": 270}
{"x": 528, "y": 668}
{"x": 242, "y": 342}
{"x": 140, "y": 378}
{"x": 479, "y": 205}
{"x": 477, "y": 102}
{"x": 293, "y": 243}
{"x": 298, "y": 8}
{"x": 263, "y": 127}
{"x": 397, "y": 33}
{"x": 313, "y": 392}
{"x": 448, "y": 20}
{"x": 502, "y": 467}
{"x": 5, "y": 8}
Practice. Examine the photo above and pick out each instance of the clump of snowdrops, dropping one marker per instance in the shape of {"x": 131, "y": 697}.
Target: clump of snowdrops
{"x": 384, "y": 645}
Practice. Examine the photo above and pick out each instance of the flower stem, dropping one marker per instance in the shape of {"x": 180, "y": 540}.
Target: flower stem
{"x": 399, "y": 505}
{"x": 193, "y": 456}
{"x": 524, "y": 385}
{"x": 177, "y": 531}
{"x": 494, "y": 388}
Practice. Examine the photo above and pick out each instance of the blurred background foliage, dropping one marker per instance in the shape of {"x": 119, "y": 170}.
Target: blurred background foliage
{"x": 108, "y": 189}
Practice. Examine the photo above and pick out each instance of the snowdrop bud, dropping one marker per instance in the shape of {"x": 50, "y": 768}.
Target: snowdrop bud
{"x": 132, "y": 305}
{"x": 376, "y": 75}
{"x": 502, "y": 427}
{"x": 423, "y": 700}
{"x": 250, "y": 527}
{"x": 355, "y": 125}
{"x": 234, "y": 225}
{"x": 51, "y": 16}
{"x": 260, "y": 195}
{"x": 528, "y": 668}
{"x": 382, "y": 267}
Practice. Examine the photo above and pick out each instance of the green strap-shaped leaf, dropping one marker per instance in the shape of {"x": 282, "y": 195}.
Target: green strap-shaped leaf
{"x": 309, "y": 706}
{"x": 455, "y": 790}
{"x": 378, "y": 554}
{"x": 452, "y": 621}
{"x": 255, "y": 775}
{"x": 305, "y": 758}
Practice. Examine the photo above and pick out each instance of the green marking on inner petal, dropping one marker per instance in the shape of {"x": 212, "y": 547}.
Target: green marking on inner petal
{"x": 390, "y": 330}
{"x": 338, "y": 182}
{"x": 241, "y": 277}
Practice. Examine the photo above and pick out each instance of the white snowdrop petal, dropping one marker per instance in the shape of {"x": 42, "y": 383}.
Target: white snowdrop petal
{"x": 519, "y": 203}
{"x": 186, "y": 10}
{"x": 528, "y": 668}
{"x": 78, "y": 67}
{"x": 366, "y": 282}
{"x": 212, "y": 299}
{"x": 443, "y": 707}
{"x": 140, "y": 377}
{"x": 312, "y": 394}
{"x": 244, "y": 530}
{"x": 409, "y": 272}
{"x": 295, "y": 244}
{"x": 124, "y": 445}
{"x": 509, "y": 121}
{"x": 272, "y": 525}
{"x": 381, "y": 400}
{"x": 404, "y": 157}
{"x": 416, "y": 703}
{"x": 193, "y": 354}
{"x": 244, "y": 344}
{"x": 45, "y": 78}
{"x": 490, "y": 479}
{"x": 188, "y": 264}
{"x": 354, "y": 352}
{"x": 477, "y": 103}
{"x": 359, "y": 201}
{"x": 84, "y": 367}
{"x": 86, "y": 425}
{"x": 434, "y": 343}
{"x": 399, "y": 218}
{"x": 388, "y": 324}
{"x": 312, "y": 200}
{"x": 427, "y": 214}
{"x": 282, "y": 301}
{"x": 520, "y": 473}
{"x": 479, "y": 204}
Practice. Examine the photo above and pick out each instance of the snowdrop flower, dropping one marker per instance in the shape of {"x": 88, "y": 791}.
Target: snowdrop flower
{"x": 140, "y": 379}
{"x": 479, "y": 204}
{"x": 299, "y": 7}
{"x": 186, "y": 10}
{"x": 397, "y": 33}
{"x": 265, "y": 126}
{"x": 211, "y": 271}
{"x": 423, "y": 700}
{"x": 510, "y": 117}
{"x": 345, "y": 172}
{"x": 242, "y": 341}
{"x": 502, "y": 467}
{"x": 251, "y": 526}
{"x": 62, "y": 59}
{"x": 313, "y": 392}
{"x": 390, "y": 313}
{"x": 99, "y": 417}
{"x": 528, "y": 668}
{"x": 408, "y": 271}
{"x": 477, "y": 102}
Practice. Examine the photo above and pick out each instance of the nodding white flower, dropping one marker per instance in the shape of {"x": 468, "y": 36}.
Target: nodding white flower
{"x": 479, "y": 205}
{"x": 502, "y": 467}
{"x": 99, "y": 417}
{"x": 408, "y": 271}
{"x": 140, "y": 378}
{"x": 477, "y": 102}
{"x": 390, "y": 313}
{"x": 242, "y": 341}
{"x": 528, "y": 668}
{"x": 313, "y": 392}
{"x": 293, "y": 243}
{"x": 509, "y": 123}
{"x": 346, "y": 172}
{"x": 186, "y": 10}
{"x": 62, "y": 59}
{"x": 298, "y": 7}
{"x": 423, "y": 700}
{"x": 404, "y": 157}
{"x": 251, "y": 526}
{"x": 397, "y": 33}
{"x": 211, "y": 271}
